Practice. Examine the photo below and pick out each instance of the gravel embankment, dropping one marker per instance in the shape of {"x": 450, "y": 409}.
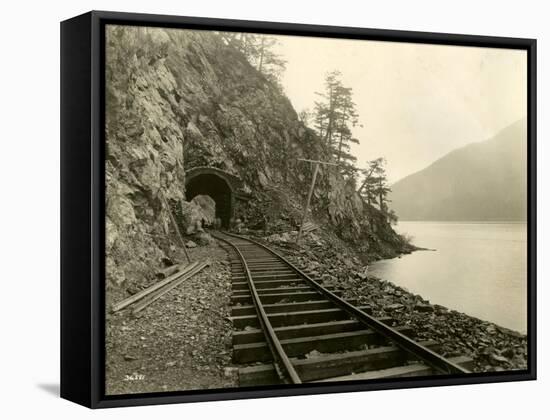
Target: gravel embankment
{"x": 180, "y": 342}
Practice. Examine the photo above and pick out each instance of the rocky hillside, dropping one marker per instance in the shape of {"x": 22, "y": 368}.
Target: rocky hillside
{"x": 485, "y": 181}
{"x": 179, "y": 99}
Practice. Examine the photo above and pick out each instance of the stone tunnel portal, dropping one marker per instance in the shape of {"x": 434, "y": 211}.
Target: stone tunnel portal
{"x": 215, "y": 186}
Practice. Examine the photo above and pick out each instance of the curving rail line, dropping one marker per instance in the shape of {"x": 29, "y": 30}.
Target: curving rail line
{"x": 309, "y": 333}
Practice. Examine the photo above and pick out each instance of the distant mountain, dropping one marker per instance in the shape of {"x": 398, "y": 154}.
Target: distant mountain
{"x": 485, "y": 181}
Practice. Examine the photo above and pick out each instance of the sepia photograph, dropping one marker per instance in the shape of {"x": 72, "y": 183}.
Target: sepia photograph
{"x": 284, "y": 209}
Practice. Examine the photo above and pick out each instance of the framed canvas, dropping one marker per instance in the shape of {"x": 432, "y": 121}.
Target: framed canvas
{"x": 254, "y": 209}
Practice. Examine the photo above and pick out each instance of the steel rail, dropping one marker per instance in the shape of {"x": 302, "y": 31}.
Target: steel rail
{"x": 275, "y": 346}
{"x": 426, "y": 355}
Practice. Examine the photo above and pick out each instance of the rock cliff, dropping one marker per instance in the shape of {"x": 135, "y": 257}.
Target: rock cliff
{"x": 179, "y": 99}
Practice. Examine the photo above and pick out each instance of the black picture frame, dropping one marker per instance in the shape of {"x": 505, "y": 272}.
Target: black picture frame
{"x": 83, "y": 214}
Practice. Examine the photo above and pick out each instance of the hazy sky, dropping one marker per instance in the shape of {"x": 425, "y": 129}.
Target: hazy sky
{"x": 416, "y": 102}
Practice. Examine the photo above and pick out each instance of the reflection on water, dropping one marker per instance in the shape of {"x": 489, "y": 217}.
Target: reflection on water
{"x": 476, "y": 268}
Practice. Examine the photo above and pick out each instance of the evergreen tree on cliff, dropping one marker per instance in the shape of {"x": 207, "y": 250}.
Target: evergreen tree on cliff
{"x": 375, "y": 187}
{"x": 334, "y": 117}
{"x": 259, "y": 51}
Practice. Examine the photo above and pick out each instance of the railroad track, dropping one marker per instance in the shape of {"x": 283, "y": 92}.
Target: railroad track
{"x": 288, "y": 328}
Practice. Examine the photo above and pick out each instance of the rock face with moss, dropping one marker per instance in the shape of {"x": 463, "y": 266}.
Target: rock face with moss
{"x": 179, "y": 99}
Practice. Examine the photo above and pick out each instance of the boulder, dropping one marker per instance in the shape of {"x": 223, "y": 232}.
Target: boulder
{"x": 440, "y": 309}
{"x": 192, "y": 217}
{"x": 363, "y": 275}
{"x": 207, "y": 208}
{"x": 423, "y": 307}
{"x": 499, "y": 359}
{"x": 204, "y": 238}
{"x": 394, "y": 307}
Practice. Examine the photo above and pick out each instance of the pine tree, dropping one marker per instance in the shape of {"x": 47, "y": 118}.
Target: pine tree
{"x": 305, "y": 116}
{"x": 259, "y": 51}
{"x": 269, "y": 63}
{"x": 375, "y": 185}
{"x": 326, "y": 111}
{"x": 334, "y": 117}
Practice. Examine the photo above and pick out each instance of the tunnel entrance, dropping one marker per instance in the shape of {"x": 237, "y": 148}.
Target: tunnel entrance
{"x": 215, "y": 186}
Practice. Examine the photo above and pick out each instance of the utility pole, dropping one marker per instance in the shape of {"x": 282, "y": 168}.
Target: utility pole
{"x": 176, "y": 228}
{"x": 310, "y": 193}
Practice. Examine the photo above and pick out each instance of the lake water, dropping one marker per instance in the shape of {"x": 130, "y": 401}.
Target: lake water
{"x": 476, "y": 268}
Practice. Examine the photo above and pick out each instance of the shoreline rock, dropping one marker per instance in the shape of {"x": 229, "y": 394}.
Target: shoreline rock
{"x": 493, "y": 348}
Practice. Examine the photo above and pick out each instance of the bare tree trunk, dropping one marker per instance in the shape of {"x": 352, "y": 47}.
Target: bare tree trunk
{"x": 339, "y": 149}
{"x": 363, "y": 185}
{"x": 320, "y": 122}
{"x": 341, "y": 136}
{"x": 328, "y": 137}
{"x": 261, "y": 55}
{"x": 381, "y": 196}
